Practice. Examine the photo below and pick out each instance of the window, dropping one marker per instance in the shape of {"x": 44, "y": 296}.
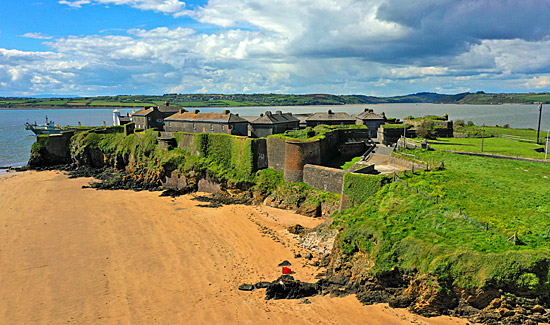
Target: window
{"x": 211, "y": 127}
{"x": 194, "y": 127}
{"x": 223, "y": 127}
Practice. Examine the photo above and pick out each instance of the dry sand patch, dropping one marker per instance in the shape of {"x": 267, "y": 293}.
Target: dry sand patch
{"x": 73, "y": 255}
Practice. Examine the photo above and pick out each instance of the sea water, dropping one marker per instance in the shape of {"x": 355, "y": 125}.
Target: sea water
{"x": 15, "y": 141}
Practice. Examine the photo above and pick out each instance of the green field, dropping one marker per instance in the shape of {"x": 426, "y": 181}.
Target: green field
{"x": 498, "y": 146}
{"x": 487, "y": 98}
{"x": 434, "y": 222}
{"x": 108, "y": 103}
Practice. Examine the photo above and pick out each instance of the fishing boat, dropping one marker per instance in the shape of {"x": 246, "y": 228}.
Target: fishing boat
{"x": 48, "y": 128}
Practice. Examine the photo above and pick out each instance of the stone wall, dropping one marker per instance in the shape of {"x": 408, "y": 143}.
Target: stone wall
{"x": 350, "y": 150}
{"x": 297, "y": 155}
{"x": 259, "y": 150}
{"x": 276, "y": 153}
{"x": 59, "y": 145}
{"x": 324, "y": 178}
{"x": 329, "y": 146}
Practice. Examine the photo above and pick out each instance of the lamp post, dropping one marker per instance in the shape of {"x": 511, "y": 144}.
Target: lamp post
{"x": 540, "y": 115}
{"x": 547, "y": 139}
{"x": 404, "y": 136}
{"x": 482, "y": 136}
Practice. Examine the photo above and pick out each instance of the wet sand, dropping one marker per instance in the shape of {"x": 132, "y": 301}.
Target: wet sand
{"x": 73, "y": 255}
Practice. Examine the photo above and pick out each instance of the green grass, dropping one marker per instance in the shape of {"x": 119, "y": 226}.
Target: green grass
{"x": 109, "y": 103}
{"x": 435, "y": 224}
{"x": 509, "y": 195}
{"x": 498, "y": 146}
{"x": 350, "y": 163}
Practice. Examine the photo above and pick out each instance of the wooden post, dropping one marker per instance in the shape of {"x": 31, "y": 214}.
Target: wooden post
{"x": 486, "y": 226}
{"x": 514, "y": 238}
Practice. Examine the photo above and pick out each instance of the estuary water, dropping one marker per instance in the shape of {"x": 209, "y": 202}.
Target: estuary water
{"x": 15, "y": 141}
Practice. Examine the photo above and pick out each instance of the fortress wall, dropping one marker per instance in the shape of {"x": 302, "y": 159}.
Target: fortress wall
{"x": 59, "y": 145}
{"x": 329, "y": 146}
{"x": 297, "y": 155}
{"x": 351, "y": 150}
{"x": 275, "y": 148}
{"x": 259, "y": 151}
{"x": 353, "y": 135}
{"x": 324, "y": 178}
{"x": 185, "y": 142}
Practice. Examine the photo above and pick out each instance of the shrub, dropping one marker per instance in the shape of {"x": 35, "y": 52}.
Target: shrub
{"x": 426, "y": 130}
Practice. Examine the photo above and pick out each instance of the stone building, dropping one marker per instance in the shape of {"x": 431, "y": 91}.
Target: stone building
{"x": 331, "y": 118}
{"x": 153, "y": 117}
{"x": 197, "y": 122}
{"x": 371, "y": 120}
{"x": 269, "y": 123}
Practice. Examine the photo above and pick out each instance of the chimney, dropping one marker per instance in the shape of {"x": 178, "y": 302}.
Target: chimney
{"x": 166, "y": 103}
{"x": 226, "y": 112}
{"x": 183, "y": 110}
{"x": 261, "y": 114}
{"x": 330, "y": 112}
{"x": 278, "y": 112}
{"x": 268, "y": 113}
{"x": 196, "y": 111}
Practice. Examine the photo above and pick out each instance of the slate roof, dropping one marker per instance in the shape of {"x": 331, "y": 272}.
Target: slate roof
{"x": 277, "y": 118}
{"x": 143, "y": 112}
{"x": 331, "y": 116}
{"x": 163, "y": 109}
{"x": 206, "y": 117}
{"x": 369, "y": 114}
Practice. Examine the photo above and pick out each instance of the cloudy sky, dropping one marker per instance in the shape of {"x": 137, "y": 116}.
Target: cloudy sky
{"x": 371, "y": 47}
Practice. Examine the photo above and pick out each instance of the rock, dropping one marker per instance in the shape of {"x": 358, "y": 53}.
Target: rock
{"x": 339, "y": 280}
{"x": 246, "y": 287}
{"x": 284, "y": 263}
{"x": 538, "y": 309}
{"x": 402, "y": 301}
{"x": 310, "y": 211}
{"x": 308, "y": 256}
{"x": 262, "y": 285}
{"x": 297, "y": 255}
{"x": 296, "y": 229}
{"x": 305, "y": 301}
{"x": 285, "y": 287}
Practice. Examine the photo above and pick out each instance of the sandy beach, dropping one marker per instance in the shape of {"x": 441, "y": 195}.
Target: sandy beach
{"x": 74, "y": 255}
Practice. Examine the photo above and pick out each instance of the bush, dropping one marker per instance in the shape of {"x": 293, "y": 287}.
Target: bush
{"x": 426, "y": 130}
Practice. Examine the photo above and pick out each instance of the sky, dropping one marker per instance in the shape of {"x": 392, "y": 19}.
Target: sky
{"x": 368, "y": 47}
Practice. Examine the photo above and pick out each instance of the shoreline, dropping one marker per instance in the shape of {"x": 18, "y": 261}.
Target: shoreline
{"x": 136, "y": 257}
{"x": 250, "y": 106}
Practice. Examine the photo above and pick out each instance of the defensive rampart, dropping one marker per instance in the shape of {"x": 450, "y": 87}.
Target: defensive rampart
{"x": 324, "y": 178}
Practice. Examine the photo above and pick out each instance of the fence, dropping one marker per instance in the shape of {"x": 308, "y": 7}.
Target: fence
{"x": 461, "y": 214}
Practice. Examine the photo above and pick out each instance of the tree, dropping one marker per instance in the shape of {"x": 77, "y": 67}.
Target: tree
{"x": 426, "y": 130}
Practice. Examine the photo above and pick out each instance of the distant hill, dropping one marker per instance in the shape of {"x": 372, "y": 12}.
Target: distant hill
{"x": 487, "y": 98}
{"x": 233, "y": 100}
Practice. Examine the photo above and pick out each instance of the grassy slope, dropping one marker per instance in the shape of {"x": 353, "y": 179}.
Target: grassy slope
{"x": 399, "y": 227}
{"x": 527, "y": 98}
{"x": 497, "y": 146}
{"x": 218, "y": 100}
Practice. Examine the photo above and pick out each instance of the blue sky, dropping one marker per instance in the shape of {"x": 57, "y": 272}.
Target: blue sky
{"x": 371, "y": 47}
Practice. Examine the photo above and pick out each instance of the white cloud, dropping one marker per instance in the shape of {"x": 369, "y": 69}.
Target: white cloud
{"x": 36, "y": 36}
{"x": 165, "y": 6}
{"x": 542, "y": 82}
{"x": 345, "y": 46}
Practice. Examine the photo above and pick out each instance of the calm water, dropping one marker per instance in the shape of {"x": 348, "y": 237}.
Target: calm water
{"x": 15, "y": 141}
